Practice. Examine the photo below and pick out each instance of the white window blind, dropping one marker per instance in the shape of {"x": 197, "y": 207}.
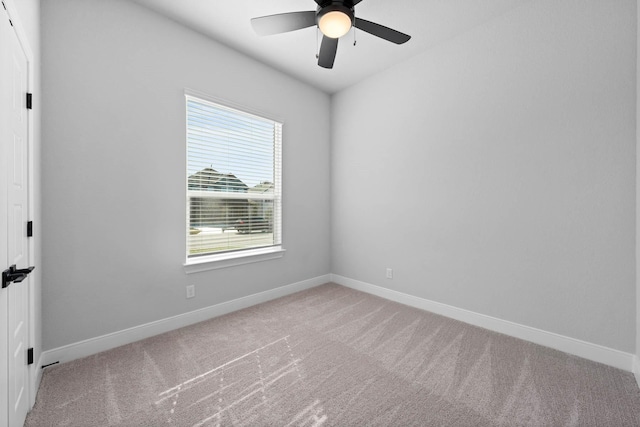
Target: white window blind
{"x": 233, "y": 180}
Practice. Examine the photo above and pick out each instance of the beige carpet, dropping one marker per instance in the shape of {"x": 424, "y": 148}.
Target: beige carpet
{"x": 336, "y": 357}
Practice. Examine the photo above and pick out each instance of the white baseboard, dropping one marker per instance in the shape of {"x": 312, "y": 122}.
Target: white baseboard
{"x": 127, "y": 336}
{"x": 590, "y": 351}
{"x": 586, "y": 350}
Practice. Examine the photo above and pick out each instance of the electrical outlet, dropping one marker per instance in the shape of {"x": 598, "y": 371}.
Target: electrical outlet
{"x": 389, "y": 273}
{"x": 191, "y": 291}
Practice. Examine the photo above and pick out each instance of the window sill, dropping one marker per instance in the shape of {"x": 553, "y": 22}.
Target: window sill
{"x": 214, "y": 262}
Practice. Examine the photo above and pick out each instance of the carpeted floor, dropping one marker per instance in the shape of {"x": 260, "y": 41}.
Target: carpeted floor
{"x": 336, "y": 357}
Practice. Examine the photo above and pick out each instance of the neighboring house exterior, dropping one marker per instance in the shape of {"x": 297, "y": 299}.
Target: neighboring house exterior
{"x": 262, "y": 208}
{"x": 212, "y": 211}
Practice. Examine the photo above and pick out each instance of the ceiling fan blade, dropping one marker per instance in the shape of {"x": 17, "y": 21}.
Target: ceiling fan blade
{"x": 283, "y": 22}
{"x": 328, "y": 50}
{"x": 355, "y": 2}
{"x": 381, "y": 31}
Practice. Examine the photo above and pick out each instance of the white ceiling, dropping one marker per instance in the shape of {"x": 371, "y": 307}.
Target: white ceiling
{"x": 429, "y": 22}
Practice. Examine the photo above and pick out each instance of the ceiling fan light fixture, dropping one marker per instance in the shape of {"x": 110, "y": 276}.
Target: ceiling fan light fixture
{"x": 335, "y": 21}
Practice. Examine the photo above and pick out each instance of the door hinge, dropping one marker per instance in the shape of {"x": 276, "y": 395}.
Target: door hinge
{"x": 30, "y": 356}
{"x": 29, "y": 101}
{"x": 30, "y": 229}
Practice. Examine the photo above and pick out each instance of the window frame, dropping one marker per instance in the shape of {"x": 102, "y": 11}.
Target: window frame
{"x": 194, "y": 264}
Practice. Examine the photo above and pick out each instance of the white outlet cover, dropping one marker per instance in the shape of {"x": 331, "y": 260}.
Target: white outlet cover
{"x": 191, "y": 291}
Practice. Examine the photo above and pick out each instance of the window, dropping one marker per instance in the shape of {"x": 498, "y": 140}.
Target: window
{"x": 233, "y": 182}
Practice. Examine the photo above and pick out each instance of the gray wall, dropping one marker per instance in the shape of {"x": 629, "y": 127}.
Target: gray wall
{"x": 496, "y": 172}
{"x": 114, "y": 76}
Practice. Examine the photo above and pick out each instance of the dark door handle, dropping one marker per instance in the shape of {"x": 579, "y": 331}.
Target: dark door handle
{"x": 14, "y": 275}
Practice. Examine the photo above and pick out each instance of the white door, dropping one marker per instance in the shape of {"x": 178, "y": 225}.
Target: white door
{"x": 14, "y": 209}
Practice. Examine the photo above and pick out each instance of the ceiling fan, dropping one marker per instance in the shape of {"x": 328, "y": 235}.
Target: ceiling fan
{"x": 334, "y": 18}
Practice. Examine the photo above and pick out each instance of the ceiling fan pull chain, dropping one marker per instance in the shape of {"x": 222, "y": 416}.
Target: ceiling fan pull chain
{"x": 317, "y": 45}
{"x": 354, "y": 36}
